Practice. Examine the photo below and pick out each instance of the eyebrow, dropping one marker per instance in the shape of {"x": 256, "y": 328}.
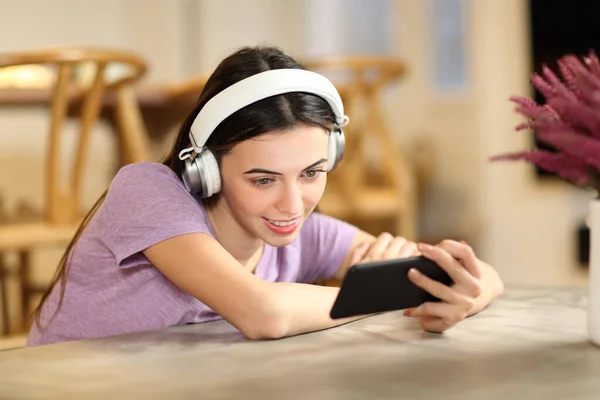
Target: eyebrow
{"x": 266, "y": 171}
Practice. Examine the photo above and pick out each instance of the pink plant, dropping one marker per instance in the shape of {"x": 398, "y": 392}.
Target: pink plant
{"x": 569, "y": 121}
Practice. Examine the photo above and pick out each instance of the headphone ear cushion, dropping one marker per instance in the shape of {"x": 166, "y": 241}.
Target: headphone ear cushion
{"x": 337, "y": 144}
{"x": 210, "y": 166}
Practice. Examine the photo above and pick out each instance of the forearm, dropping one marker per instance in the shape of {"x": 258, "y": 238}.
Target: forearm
{"x": 491, "y": 287}
{"x": 295, "y": 308}
{"x": 305, "y": 308}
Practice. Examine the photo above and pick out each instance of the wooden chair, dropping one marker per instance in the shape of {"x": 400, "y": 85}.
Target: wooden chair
{"x": 375, "y": 182}
{"x": 63, "y": 211}
{"x": 4, "y": 313}
{"x": 165, "y": 106}
{"x": 13, "y": 342}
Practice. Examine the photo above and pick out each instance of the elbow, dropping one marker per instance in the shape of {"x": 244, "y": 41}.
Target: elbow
{"x": 499, "y": 286}
{"x": 269, "y": 328}
{"x": 500, "y": 289}
{"x": 269, "y": 322}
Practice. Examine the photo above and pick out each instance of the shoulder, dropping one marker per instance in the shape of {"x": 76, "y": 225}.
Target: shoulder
{"x": 146, "y": 204}
{"x": 323, "y": 223}
{"x": 145, "y": 173}
{"x": 146, "y": 179}
{"x": 150, "y": 187}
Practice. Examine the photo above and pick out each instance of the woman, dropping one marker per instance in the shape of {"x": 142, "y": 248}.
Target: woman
{"x": 225, "y": 227}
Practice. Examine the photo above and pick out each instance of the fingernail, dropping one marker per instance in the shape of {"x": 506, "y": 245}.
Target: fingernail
{"x": 411, "y": 311}
{"x": 413, "y": 272}
{"x": 462, "y": 241}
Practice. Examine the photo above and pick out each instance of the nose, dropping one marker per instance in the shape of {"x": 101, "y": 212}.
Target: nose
{"x": 290, "y": 201}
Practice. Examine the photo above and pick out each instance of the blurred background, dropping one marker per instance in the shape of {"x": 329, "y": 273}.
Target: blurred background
{"x": 425, "y": 82}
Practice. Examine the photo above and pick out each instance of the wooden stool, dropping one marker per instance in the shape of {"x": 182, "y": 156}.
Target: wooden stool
{"x": 62, "y": 213}
{"x": 381, "y": 187}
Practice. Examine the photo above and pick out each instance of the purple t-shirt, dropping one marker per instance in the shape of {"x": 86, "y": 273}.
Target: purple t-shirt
{"x": 112, "y": 288}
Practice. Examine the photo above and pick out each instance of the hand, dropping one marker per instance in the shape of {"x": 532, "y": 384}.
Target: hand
{"x": 459, "y": 261}
{"x": 385, "y": 247}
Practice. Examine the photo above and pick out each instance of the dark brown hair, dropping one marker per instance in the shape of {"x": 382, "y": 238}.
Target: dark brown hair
{"x": 275, "y": 113}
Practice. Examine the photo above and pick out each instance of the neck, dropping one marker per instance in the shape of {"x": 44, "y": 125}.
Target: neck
{"x": 234, "y": 238}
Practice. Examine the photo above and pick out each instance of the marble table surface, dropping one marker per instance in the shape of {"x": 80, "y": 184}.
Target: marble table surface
{"x": 530, "y": 344}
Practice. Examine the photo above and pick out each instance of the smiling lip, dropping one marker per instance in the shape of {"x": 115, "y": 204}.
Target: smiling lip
{"x": 282, "y": 230}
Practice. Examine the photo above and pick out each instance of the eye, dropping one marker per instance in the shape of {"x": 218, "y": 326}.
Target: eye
{"x": 313, "y": 173}
{"x": 262, "y": 182}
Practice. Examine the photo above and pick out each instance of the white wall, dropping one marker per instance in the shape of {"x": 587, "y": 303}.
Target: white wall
{"x": 223, "y": 26}
{"x": 420, "y": 112}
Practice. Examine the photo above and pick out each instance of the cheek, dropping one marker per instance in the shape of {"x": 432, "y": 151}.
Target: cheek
{"x": 313, "y": 192}
{"x": 245, "y": 198}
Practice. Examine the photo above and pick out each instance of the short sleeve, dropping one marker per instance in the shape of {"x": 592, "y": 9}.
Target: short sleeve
{"x": 146, "y": 204}
{"x": 325, "y": 242}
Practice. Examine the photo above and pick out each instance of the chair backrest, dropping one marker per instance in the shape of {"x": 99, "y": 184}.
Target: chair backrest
{"x": 361, "y": 81}
{"x": 82, "y": 77}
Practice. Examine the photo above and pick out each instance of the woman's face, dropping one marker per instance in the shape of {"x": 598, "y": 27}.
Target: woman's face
{"x": 273, "y": 182}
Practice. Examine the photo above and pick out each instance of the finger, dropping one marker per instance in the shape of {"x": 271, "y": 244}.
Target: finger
{"x": 452, "y": 266}
{"x": 377, "y": 248}
{"x": 407, "y": 311}
{"x": 439, "y": 290}
{"x": 448, "y": 312}
{"x": 434, "y": 324}
{"x": 409, "y": 249}
{"x": 394, "y": 248}
{"x": 359, "y": 253}
{"x": 463, "y": 252}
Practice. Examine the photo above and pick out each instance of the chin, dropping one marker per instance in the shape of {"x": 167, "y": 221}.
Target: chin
{"x": 278, "y": 241}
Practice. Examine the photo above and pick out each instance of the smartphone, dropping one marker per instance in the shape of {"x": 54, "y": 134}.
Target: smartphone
{"x": 384, "y": 286}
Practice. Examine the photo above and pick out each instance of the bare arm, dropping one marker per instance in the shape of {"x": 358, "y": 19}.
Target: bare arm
{"x": 198, "y": 264}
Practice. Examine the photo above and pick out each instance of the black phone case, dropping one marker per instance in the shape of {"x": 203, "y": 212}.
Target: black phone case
{"x": 384, "y": 286}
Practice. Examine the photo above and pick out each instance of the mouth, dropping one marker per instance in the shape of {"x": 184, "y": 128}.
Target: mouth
{"x": 282, "y": 227}
{"x": 283, "y": 222}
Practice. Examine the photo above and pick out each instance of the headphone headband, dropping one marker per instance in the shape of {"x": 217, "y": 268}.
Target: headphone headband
{"x": 258, "y": 87}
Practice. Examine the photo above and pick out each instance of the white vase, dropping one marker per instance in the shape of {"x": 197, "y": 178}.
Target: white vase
{"x": 594, "y": 273}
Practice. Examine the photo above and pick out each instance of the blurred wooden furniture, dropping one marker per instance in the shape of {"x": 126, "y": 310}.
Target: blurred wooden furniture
{"x": 84, "y": 94}
{"x": 161, "y": 107}
{"x": 375, "y": 182}
{"x": 13, "y": 342}
{"x": 166, "y": 106}
{"x": 4, "y": 299}
{"x": 4, "y": 313}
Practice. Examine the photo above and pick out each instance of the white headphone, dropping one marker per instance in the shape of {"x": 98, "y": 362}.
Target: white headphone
{"x": 201, "y": 175}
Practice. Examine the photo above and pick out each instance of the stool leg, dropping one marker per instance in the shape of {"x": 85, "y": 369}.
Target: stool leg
{"x": 131, "y": 126}
{"x": 25, "y": 283}
{"x": 4, "y": 298}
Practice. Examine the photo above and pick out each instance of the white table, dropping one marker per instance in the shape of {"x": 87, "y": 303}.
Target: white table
{"x": 530, "y": 344}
